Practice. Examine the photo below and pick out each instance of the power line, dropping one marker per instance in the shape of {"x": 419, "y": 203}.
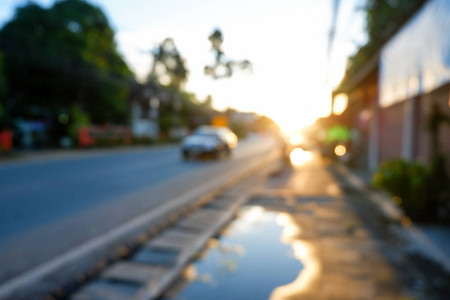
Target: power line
{"x": 331, "y": 35}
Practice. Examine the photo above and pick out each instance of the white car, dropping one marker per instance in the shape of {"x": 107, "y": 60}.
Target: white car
{"x": 209, "y": 140}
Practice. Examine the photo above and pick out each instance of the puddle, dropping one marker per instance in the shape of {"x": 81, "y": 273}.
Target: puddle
{"x": 252, "y": 258}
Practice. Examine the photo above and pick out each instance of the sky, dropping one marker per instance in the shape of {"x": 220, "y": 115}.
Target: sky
{"x": 285, "y": 40}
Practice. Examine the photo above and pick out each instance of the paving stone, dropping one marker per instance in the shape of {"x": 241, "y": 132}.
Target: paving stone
{"x": 173, "y": 239}
{"x": 268, "y": 201}
{"x": 221, "y": 203}
{"x": 157, "y": 256}
{"x": 134, "y": 272}
{"x": 201, "y": 220}
{"x": 316, "y": 199}
{"x": 192, "y": 225}
{"x": 207, "y": 215}
{"x": 105, "y": 290}
{"x": 338, "y": 287}
{"x": 181, "y": 235}
{"x": 332, "y": 228}
{"x": 346, "y": 256}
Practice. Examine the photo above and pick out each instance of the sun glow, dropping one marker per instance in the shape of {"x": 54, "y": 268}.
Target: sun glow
{"x": 340, "y": 104}
{"x": 304, "y": 252}
{"x": 294, "y": 120}
{"x": 291, "y": 122}
{"x": 300, "y": 157}
{"x": 304, "y": 111}
{"x": 288, "y": 88}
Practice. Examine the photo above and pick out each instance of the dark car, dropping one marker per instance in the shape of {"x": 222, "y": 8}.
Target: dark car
{"x": 209, "y": 140}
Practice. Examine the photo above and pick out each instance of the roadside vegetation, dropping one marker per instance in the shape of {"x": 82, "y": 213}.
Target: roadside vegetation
{"x": 422, "y": 192}
{"x": 60, "y": 71}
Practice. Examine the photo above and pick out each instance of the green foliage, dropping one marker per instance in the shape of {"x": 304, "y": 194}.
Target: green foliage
{"x": 168, "y": 63}
{"x": 3, "y": 81}
{"x": 3, "y": 89}
{"x": 182, "y": 109}
{"x": 419, "y": 190}
{"x": 169, "y": 120}
{"x": 405, "y": 181}
{"x": 62, "y": 56}
{"x": 194, "y": 112}
{"x": 77, "y": 119}
{"x": 385, "y": 16}
{"x": 439, "y": 187}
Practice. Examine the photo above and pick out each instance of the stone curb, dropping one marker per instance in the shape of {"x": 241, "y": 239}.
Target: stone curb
{"x": 151, "y": 292}
{"x": 379, "y": 198}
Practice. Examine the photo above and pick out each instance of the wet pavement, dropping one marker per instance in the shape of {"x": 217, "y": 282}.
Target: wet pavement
{"x": 336, "y": 241}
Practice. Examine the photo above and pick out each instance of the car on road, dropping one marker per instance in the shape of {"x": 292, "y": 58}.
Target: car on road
{"x": 209, "y": 141}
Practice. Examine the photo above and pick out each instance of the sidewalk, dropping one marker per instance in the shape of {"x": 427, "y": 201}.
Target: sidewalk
{"x": 354, "y": 250}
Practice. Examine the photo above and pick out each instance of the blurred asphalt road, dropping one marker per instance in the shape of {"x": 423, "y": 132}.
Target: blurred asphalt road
{"x": 48, "y": 206}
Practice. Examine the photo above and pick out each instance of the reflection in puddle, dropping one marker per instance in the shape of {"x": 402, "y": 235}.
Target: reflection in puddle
{"x": 256, "y": 258}
{"x": 304, "y": 252}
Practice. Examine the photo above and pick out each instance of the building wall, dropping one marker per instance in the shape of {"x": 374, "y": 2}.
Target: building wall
{"x": 422, "y": 145}
{"x": 415, "y": 75}
{"x": 141, "y": 126}
{"x": 392, "y": 121}
{"x": 440, "y": 97}
{"x": 391, "y": 132}
{"x": 416, "y": 60}
{"x": 360, "y": 108}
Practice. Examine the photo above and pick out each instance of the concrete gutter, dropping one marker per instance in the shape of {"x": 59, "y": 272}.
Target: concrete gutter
{"x": 151, "y": 291}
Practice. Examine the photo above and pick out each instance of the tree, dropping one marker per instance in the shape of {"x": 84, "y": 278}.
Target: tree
{"x": 222, "y": 67}
{"x": 383, "y": 19}
{"x": 168, "y": 64}
{"x": 3, "y": 91}
{"x": 61, "y": 56}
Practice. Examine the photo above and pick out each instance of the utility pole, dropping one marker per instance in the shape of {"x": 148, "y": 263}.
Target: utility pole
{"x": 331, "y": 36}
